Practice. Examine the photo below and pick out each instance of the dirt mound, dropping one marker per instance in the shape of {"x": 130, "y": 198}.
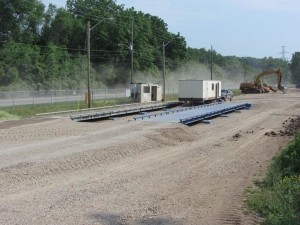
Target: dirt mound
{"x": 172, "y": 136}
{"x": 291, "y": 126}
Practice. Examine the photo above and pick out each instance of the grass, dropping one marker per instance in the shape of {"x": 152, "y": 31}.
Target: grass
{"x": 277, "y": 197}
{"x": 172, "y": 97}
{"x": 236, "y": 92}
{"x": 5, "y": 115}
{"x": 25, "y": 111}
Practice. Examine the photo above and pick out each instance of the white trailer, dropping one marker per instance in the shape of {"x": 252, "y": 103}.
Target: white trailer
{"x": 199, "y": 91}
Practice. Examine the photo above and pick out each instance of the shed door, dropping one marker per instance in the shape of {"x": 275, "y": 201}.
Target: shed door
{"x": 154, "y": 93}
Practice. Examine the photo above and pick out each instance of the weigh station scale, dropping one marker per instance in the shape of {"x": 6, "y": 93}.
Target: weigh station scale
{"x": 184, "y": 115}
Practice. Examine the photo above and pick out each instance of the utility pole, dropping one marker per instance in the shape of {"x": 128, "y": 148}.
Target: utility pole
{"x": 164, "y": 81}
{"x": 283, "y": 52}
{"x": 89, "y": 63}
{"x": 164, "y": 68}
{"x": 245, "y": 69}
{"x": 130, "y": 48}
{"x": 88, "y": 30}
{"x": 211, "y": 60}
{"x": 131, "y": 52}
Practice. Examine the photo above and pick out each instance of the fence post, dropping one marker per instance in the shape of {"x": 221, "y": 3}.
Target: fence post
{"x": 33, "y": 99}
{"x": 68, "y": 96}
{"x": 13, "y": 94}
{"x": 51, "y": 97}
{"x": 105, "y": 94}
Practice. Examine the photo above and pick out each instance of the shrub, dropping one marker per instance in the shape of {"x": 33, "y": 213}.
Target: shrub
{"x": 277, "y": 197}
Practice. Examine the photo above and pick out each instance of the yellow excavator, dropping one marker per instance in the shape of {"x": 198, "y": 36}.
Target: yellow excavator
{"x": 258, "y": 87}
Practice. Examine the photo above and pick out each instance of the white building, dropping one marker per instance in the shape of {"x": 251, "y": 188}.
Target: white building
{"x": 146, "y": 92}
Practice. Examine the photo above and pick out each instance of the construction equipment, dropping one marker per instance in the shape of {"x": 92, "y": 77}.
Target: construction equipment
{"x": 258, "y": 87}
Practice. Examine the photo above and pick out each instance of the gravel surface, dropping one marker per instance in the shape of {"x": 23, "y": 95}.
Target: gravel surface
{"x": 58, "y": 171}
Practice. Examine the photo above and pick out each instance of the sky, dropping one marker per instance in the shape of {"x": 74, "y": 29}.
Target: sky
{"x": 243, "y": 28}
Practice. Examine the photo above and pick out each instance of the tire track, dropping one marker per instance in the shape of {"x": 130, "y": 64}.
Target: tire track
{"x": 147, "y": 173}
{"x": 25, "y": 172}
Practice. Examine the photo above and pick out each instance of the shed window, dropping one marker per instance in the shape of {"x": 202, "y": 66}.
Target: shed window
{"x": 146, "y": 89}
{"x": 212, "y": 87}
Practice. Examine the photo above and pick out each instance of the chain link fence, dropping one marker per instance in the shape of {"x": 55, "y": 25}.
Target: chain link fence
{"x": 14, "y": 98}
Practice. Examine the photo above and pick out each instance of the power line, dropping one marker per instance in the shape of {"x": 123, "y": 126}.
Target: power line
{"x": 153, "y": 32}
{"x": 96, "y": 18}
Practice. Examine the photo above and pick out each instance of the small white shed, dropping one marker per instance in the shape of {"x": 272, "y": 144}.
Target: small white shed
{"x": 199, "y": 91}
{"x": 146, "y": 92}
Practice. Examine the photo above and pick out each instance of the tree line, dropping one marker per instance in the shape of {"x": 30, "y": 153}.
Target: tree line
{"x": 45, "y": 47}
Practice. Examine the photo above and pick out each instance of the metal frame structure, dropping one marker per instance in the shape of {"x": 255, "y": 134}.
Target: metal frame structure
{"x": 122, "y": 112}
{"x": 199, "y": 113}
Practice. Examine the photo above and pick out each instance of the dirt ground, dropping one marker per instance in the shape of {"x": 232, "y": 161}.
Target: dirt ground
{"x": 58, "y": 171}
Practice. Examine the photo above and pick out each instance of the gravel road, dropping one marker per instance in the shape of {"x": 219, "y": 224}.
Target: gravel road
{"x": 58, "y": 171}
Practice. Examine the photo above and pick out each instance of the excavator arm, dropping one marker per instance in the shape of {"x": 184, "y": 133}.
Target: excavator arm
{"x": 257, "y": 86}
{"x": 279, "y": 76}
{"x": 257, "y": 81}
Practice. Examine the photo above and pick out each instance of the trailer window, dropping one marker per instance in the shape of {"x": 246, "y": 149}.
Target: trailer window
{"x": 146, "y": 89}
{"x": 212, "y": 87}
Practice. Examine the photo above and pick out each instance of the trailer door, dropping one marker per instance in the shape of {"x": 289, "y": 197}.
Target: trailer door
{"x": 217, "y": 94}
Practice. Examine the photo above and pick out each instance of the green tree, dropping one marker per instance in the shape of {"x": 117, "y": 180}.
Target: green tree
{"x": 21, "y": 20}
{"x": 295, "y": 68}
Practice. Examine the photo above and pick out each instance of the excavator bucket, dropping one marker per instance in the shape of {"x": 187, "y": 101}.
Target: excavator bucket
{"x": 281, "y": 88}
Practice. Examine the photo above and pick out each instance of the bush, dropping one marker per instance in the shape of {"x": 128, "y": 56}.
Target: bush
{"x": 5, "y": 115}
{"x": 277, "y": 198}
